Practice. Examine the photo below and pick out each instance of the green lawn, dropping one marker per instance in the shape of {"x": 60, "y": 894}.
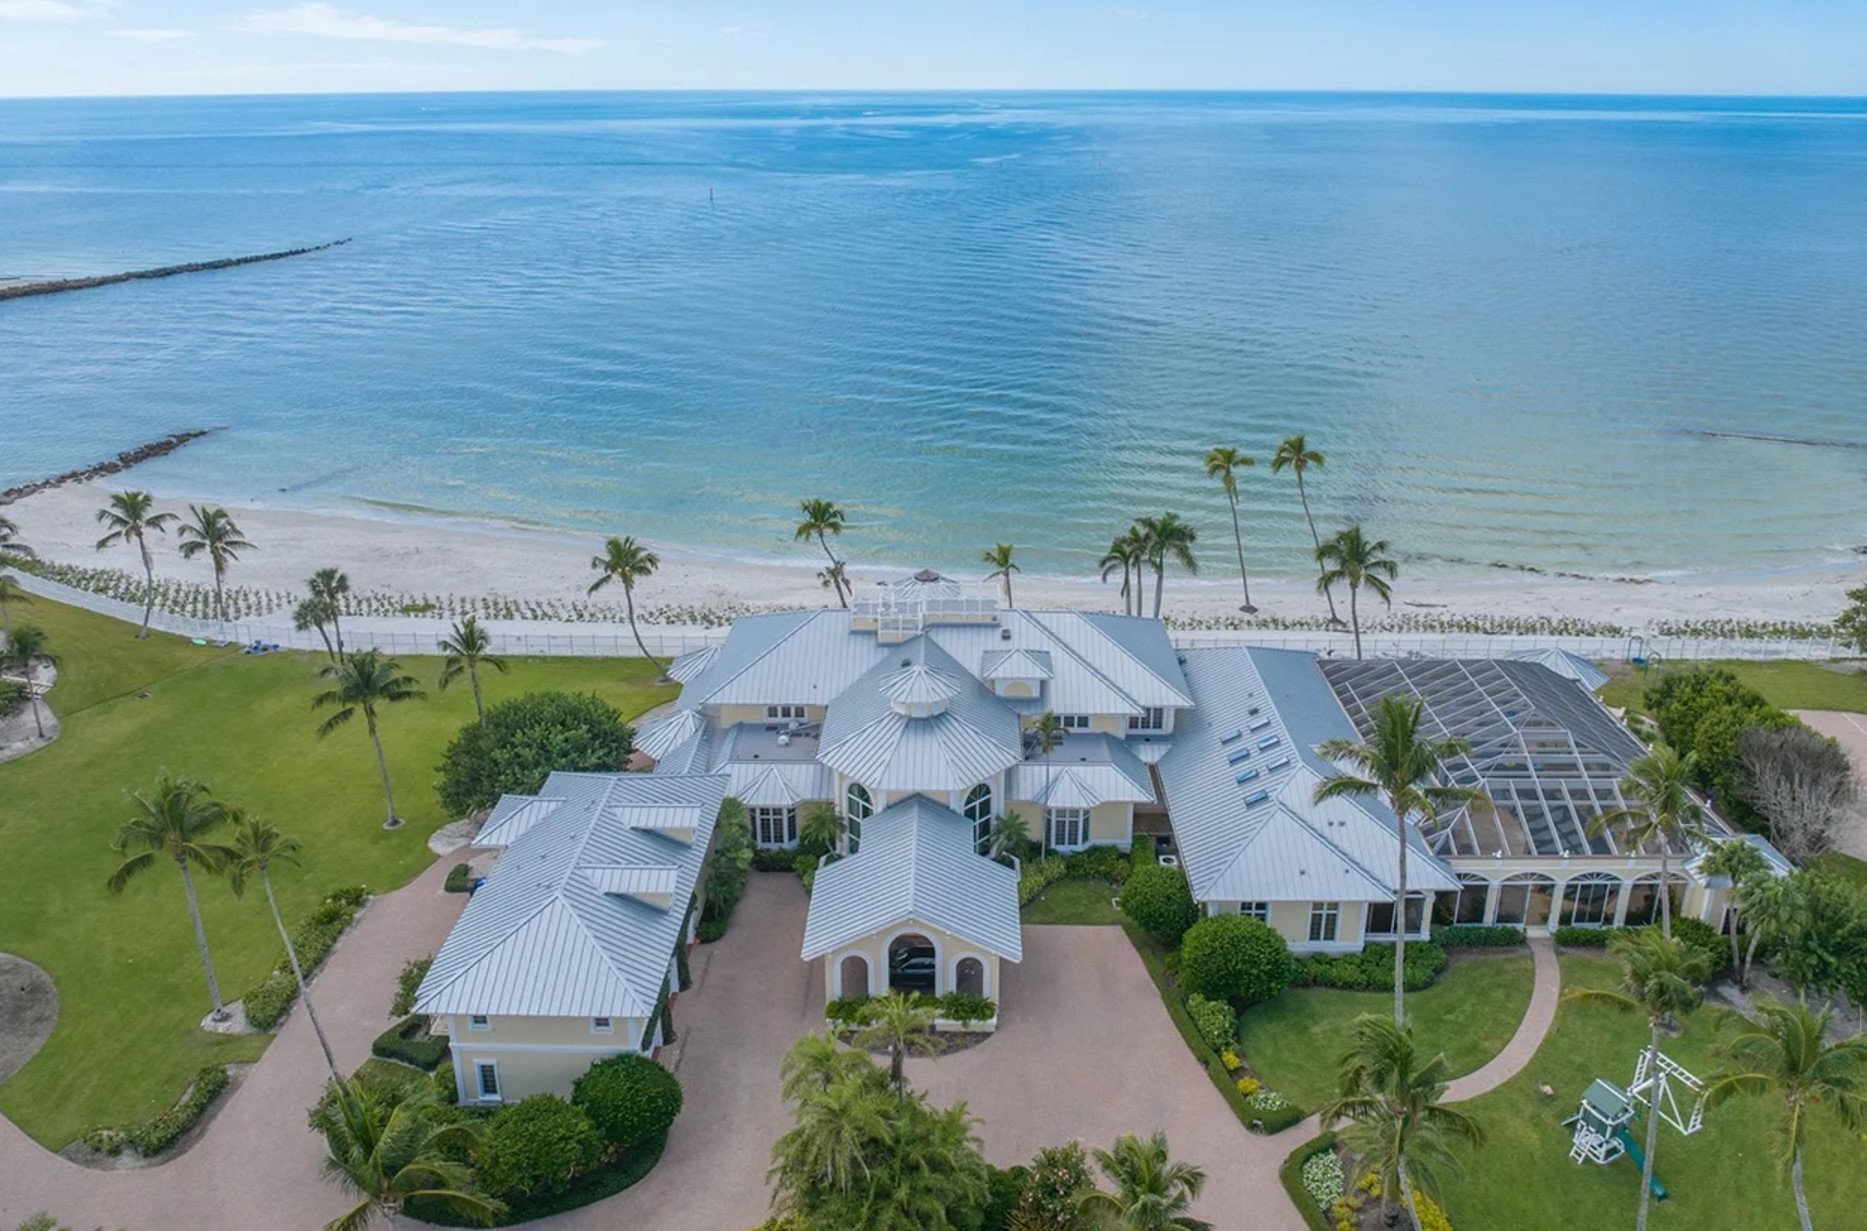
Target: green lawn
{"x": 1722, "y": 1179}
{"x": 1074, "y": 901}
{"x": 129, "y": 982}
{"x": 1791, "y": 685}
{"x": 1294, "y": 1042}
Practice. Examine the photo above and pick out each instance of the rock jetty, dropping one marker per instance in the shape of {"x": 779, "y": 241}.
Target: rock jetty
{"x": 54, "y": 286}
{"x": 116, "y": 465}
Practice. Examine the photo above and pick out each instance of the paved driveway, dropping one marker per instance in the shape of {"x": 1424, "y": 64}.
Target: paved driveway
{"x": 1850, "y": 730}
{"x": 1087, "y": 1051}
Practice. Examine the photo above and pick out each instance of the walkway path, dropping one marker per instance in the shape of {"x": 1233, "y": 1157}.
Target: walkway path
{"x": 1545, "y": 995}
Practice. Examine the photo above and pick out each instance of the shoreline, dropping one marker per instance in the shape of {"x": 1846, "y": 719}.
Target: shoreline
{"x": 419, "y": 555}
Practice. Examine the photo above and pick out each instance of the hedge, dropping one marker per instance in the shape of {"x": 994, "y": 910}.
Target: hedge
{"x": 1291, "y": 1176}
{"x": 151, "y": 1137}
{"x": 1692, "y": 933}
{"x": 405, "y": 1044}
{"x": 266, "y": 1004}
{"x": 1038, "y": 875}
{"x": 407, "y": 983}
{"x": 1235, "y": 958}
{"x": 1372, "y": 969}
{"x": 536, "y": 1147}
{"x": 1479, "y": 936}
{"x": 459, "y": 879}
{"x": 850, "y": 1011}
{"x": 710, "y": 931}
{"x": 773, "y": 859}
{"x": 1156, "y": 897}
{"x": 630, "y": 1099}
{"x": 1098, "y": 863}
{"x": 605, "y": 1180}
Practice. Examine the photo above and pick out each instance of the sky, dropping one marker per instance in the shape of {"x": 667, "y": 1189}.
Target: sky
{"x": 103, "y": 47}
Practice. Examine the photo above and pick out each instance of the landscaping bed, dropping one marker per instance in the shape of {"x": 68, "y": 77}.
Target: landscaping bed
{"x": 1074, "y": 902}
{"x": 628, "y": 1168}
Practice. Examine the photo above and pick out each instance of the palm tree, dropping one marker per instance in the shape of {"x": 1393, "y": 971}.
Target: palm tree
{"x": 1152, "y": 1192}
{"x": 1772, "y": 908}
{"x": 1352, "y": 558}
{"x": 626, "y": 561}
{"x": 1127, "y": 552}
{"x": 1048, "y": 732}
{"x": 1167, "y": 536}
{"x": 319, "y": 614}
{"x": 822, "y": 826}
{"x": 898, "y": 1023}
{"x": 177, "y": 820}
{"x": 1659, "y": 977}
{"x": 255, "y": 845}
{"x": 10, "y": 593}
{"x": 364, "y": 681}
{"x": 131, "y": 517}
{"x": 213, "y": 531}
{"x": 11, "y": 544}
{"x": 1011, "y": 836}
{"x": 329, "y": 586}
{"x": 1737, "y": 861}
{"x": 1295, "y": 455}
{"x": 25, "y": 649}
{"x": 1000, "y": 560}
{"x": 1664, "y": 814}
{"x": 1403, "y": 767}
{"x": 841, "y": 1132}
{"x": 1785, "y": 1051}
{"x": 1398, "y": 1127}
{"x": 834, "y": 575}
{"x": 467, "y": 647}
{"x": 1223, "y": 463}
{"x": 815, "y": 1063}
{"x": 821, "y": 519}
{"x": 386, "y": 1153}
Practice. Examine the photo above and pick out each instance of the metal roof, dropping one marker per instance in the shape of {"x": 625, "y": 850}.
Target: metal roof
{"x": 1098, "y": 767}
{"x": 512, "y": 816}
{"x": 871, "y": 741}
{"x": 662, "y": 736}
{"x": 916, "y": 864}
{"x": 1015, "y": 665}
{"x": 782, "y": 784}
{"x": 546, "y": 937}
{"x": 1549, "y": 756}
{"x": 691, "y": 665}
{"x": 1239, "y": 783}
{"x": 1568, "y": 665}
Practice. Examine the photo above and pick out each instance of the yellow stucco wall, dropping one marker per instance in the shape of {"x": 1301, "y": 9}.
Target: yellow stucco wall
{"x": 732, "y": 715}
{"x": 555, "y": 1031}
{"x": 1291, "y": 921}
{"x": 874, "y": 948}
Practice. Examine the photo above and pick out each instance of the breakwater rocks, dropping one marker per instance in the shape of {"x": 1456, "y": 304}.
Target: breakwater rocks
{"x": 121, "y": 462}
{"x": 54, "y": 286}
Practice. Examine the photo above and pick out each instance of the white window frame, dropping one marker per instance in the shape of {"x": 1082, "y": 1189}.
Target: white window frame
{"x": 1326, "y": 918}
{"x": 1073, "y": 722}
{"x": 858, "y": 812}
{"x": 479, "y": 1082}
{"x": 602, "y": 1025}
{"x": 1067, "y": 816}
{"x": 1152, "y": 718}
{"x": 784, "y": 818}
{"x": 1415, "y": 901}
{"x": 1261, "y": 911}
{"x": 479, "y": 1023}
{"x": 979, "y": 812}
{"x": 784, "y": 713}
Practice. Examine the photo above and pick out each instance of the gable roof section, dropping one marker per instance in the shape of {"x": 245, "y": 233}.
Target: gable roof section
{"x": 662, "y": 736}
{"x": 1569, "y": 666}
{"x": 916, "y": 865}
{"x": 570, "y": 923}
{"x": 1260, "y": 715}
{"x": 1099, "y": 768}
{"x": 866, "y": 738}
{"x": 789, "y": 657}
{"x": 512, "y": 817}
{"x": 1015, "y": 665}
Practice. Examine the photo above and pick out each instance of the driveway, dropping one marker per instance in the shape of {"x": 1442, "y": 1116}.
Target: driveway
{"x": 1850, "y": 731}
{"x": 1086, "y": 1050}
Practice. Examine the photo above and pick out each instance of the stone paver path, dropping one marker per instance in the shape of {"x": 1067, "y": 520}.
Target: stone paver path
{"x": 1545, "y": 995}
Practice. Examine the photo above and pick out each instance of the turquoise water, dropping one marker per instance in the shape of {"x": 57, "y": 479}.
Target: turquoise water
{"x": 1525, "y": 330}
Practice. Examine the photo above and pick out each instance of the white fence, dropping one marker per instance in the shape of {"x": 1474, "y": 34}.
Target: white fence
{"x": 564, "y": 638}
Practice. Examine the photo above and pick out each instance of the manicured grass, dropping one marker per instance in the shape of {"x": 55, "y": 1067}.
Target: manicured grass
{"x": 1723, "y": 1179}
{"x": 1294, "y": 1042}
{"x": 1844, "y": 866}
{"x": 129, "y": 982}
{"x": 1791, "y": 685}
{"x": 1074, "y": 901}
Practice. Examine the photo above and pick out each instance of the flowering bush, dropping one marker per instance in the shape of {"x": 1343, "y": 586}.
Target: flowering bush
{"x": 1214, "y": 1019}
{"x": 1268, "y": 1100}
{"x": 1230, "y": 1060}
{"x": 1249, "y": 1085}
{"x": 1054, "y": 1185}
{"x": 1432, "y": 1218}
{"x": 1322, "y": 1177}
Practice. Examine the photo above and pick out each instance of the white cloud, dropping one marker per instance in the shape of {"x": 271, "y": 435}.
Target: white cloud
{"x": 48, "y": 10}
{"x": 153, "y": 35}
{"x": 327, "y": 21}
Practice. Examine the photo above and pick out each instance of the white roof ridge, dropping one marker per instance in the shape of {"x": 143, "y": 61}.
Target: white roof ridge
{"x": 1083, "y": 662}
{"x": 810, "y": 617}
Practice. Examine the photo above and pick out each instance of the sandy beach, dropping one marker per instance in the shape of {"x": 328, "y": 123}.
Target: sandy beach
{"x": 436, "y": 557}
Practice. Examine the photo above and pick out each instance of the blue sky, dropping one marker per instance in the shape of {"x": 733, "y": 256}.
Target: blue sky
{"x": 65, "y": 47}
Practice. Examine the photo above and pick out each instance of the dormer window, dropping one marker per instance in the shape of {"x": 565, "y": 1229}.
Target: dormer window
{"x": 1073, "y": 722}
{"x": 784, "y": 713}
{"x": 1154, "y": 718}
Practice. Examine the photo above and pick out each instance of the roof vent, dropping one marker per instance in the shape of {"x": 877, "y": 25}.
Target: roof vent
{"x": 1243, "y": 754}
{"x": 1280, "y": 763}
{"x": 1247, "y": 776}
{"x": 1269, "y": 741}
{"x": 1260, "y": 724}
{"x": 1256, "y": 797}
{"x": 1233, "y": 738}
{"x": 1004, "y": 634}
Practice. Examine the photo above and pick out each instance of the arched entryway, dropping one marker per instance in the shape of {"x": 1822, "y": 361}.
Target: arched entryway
{"x": 913, "y": 964}
{"x": 969, "y": 977}
{"x": 853, "y": 976}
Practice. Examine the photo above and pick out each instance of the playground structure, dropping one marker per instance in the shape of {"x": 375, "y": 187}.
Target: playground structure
{"x": 1602, "y": 1125}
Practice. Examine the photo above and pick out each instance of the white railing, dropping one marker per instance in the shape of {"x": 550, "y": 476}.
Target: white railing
{"x": 566, "y": 638}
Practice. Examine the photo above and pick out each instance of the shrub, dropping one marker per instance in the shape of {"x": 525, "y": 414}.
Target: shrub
{"x": 459, "y": 879}
{"x": 1157, "y": 898}
{"x": 1323, "y": 1179}
{"x": 408, "y": 1042}
{"x": 1248, "y": 1085}
{"x": 407, "y": 983}
{"x": 1054, "y": 1185}
{"x": 1291, "y": 1176}
{"x": 1703, "y": 937}
{"x": 1215, "y": 1021}
{"x": 523, "y": 740}
{"x": 1097, "y": 863}
{"x": 267, "y": 1004}
{"x": 1037, "y": 875}
{"x": 1235, "y": 958}
{"x": 1571, "y": 937}
{"x": 1231, "y": 1060}
{"x": 804, "y": 865}
{"x": 809, "y": 877}
{"x": 729, "y": 864}
{"x": 1003, "y": 1187}
{"x": 773, "y": 859}
{"x": 12, "y": 698}
{"x": 630, "y": 1098}
{"x": 964, "y": 1008}
{"x": 1478, "y": 936}
{"x": 1706, "y": 712}
{"x": 156, "y": 1135}
{"x": 846, "y": 1010}
{"x": 352, "y": 896}
{"x": 710, "y": 930}
{"x": 1372, "y": 970}
{"x": 537, "y": 1145}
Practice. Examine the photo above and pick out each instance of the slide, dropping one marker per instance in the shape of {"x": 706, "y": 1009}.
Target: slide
{"x": 1639, "y": 1160}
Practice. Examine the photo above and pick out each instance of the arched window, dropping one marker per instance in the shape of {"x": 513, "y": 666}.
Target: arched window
{"x": 978, "y": 810}
{"x": 854, "y": 976}
{"x": 1589, "y": 900}
{"x": 913, "y": 964}
{"x": 969, "y": 977}
{"x": 1471, "y": 904}
{"x": 1524, "y": 899}
{"x": 1643, "y": 902}
{"x": 860, "y": 807}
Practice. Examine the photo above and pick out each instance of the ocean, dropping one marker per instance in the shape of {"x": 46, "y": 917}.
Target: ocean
{"x": 1601, "y": 335}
